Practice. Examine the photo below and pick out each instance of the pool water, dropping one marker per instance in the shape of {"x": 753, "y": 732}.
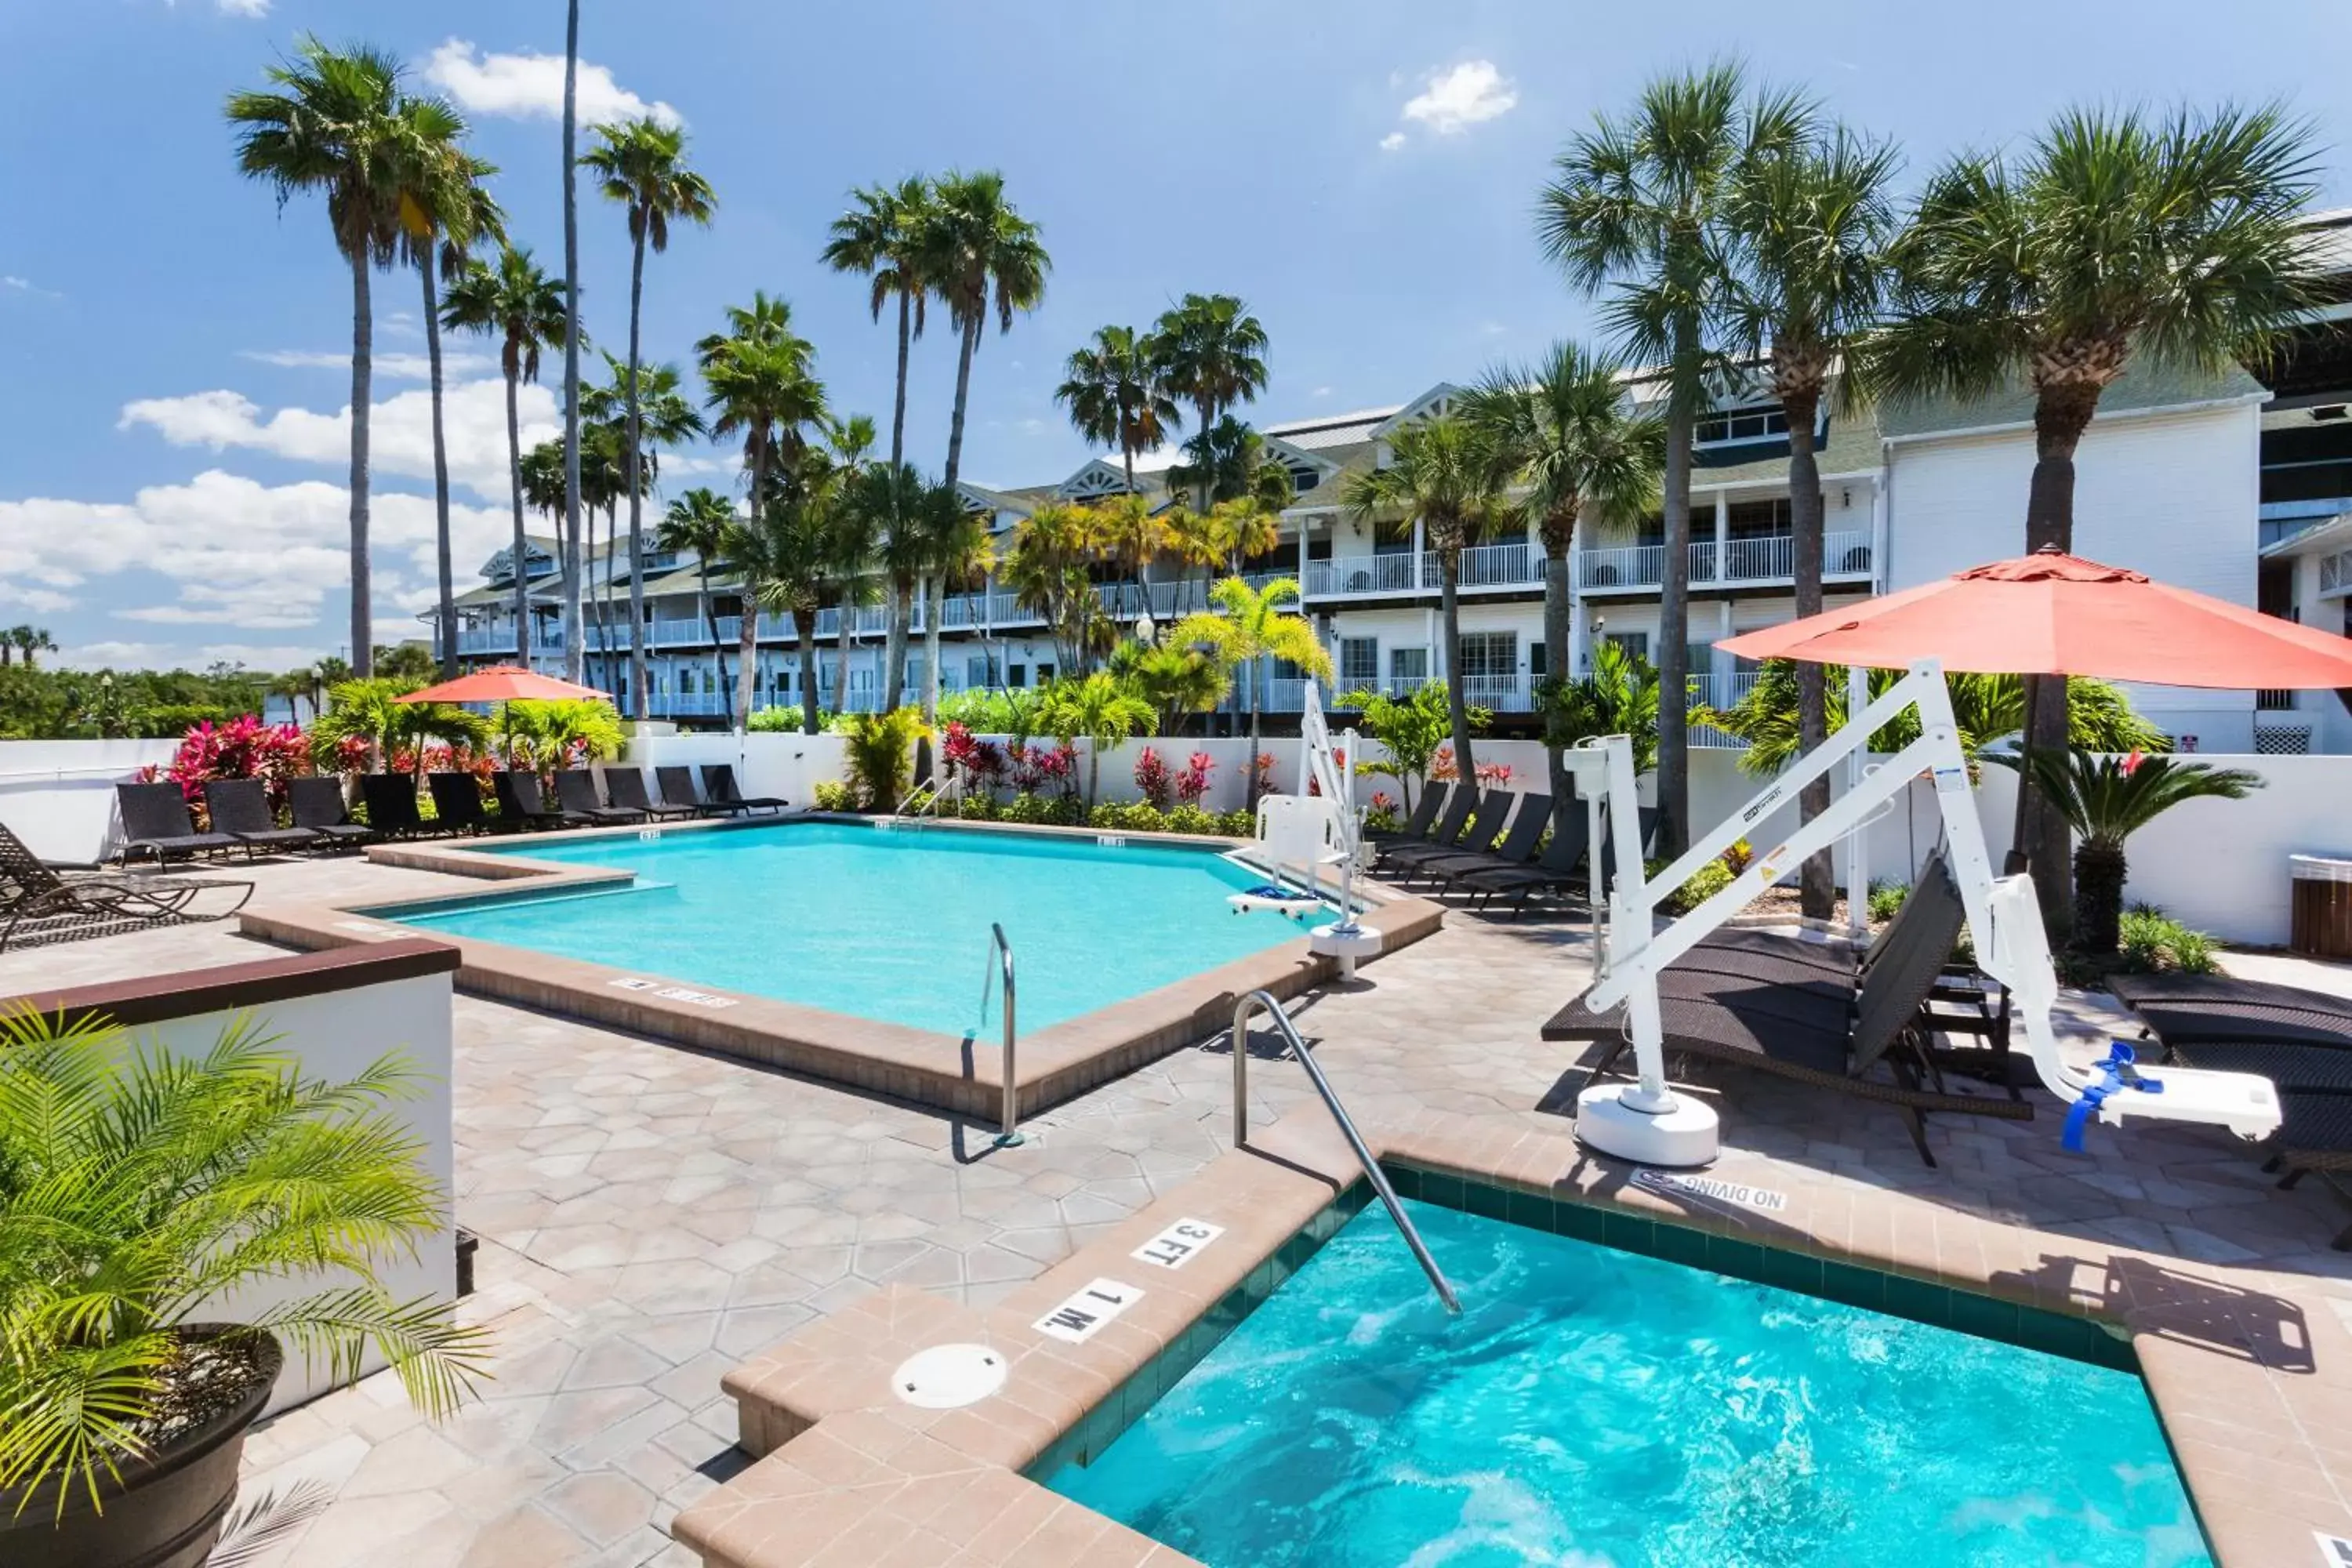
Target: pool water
{"x": 1594, "y": 1407}
{"x": 892, "y": 926}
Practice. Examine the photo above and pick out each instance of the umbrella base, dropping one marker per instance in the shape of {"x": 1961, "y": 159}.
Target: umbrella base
{"x": 1680, "y": 1135}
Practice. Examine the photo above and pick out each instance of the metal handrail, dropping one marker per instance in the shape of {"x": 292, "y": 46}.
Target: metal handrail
{"x": 1264, "y": 999}
{"x": 1009, "y": 1128}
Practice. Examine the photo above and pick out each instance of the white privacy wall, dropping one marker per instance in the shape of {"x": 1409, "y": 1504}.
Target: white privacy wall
{"x": 58, "y": 796}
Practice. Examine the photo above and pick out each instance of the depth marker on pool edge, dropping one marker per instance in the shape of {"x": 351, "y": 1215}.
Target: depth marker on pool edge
{"x": 1078, "y": 1318}
{"x": 1175, "y": 1246}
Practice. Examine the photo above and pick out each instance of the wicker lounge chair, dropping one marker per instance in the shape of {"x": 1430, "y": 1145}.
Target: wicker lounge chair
{"x": 1558, "y": 872}
{"x": 155, "y": 822}
{"x": 39, "y": 906}
{"x": 1457, "y": 830}
{"x": 2180, "y": 1009}
{"x": 523, "y": 803}
{"x": 719, "y": 790}
{"x": 240, "y": 809}
{"x": 1771, "y": 1013}
{"x": 678, "y": 789}
{"x": 1516, "y": 847}
{"x": 391, "y": 801}
{"x": 575, "y": 789}
{"x": 457, "y": 803}
{"x": 627, "y": 788}
{"x": 317, "y": 804}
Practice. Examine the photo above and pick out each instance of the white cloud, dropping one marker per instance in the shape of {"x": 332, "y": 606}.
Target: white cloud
{"x": 399, "y": 366}
{"x": 1460, "y": 97}
{"x": 400, "y": 439}
{"x": 19, "y": 285}
{"x": 1393, "y": 140}
{"x": 117, "y": 654}
{"x": 523, "y": 86}
{"x": 243, "y": 7}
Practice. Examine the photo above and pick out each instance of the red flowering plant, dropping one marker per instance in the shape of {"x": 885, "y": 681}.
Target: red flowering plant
{"x": 1338, "y": 761}
{"x": 1058, "y": 766}
{"x": 1441, "y": 765}
{"x": 1495, "y": 776}
{"x": 244, "y": 747}
{"x": 1023, "y": 762}
{"x": 1151, "y": 776}
{"x": 1193, "y": 784}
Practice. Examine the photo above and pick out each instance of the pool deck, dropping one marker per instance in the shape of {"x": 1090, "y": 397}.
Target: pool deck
{"x": 656, "y": 1218}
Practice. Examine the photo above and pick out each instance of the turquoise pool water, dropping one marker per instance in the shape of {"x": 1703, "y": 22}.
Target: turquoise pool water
{"x": 891, "y": 925}
{"x": 1593, "y": 1408}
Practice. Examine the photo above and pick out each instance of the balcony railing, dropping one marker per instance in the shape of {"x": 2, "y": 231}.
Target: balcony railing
{"x": 1718, "y": 691}
{"x": 1507, "y": 566}
{"x": 1768, "y": 558}
{"x": 501, "y": 639}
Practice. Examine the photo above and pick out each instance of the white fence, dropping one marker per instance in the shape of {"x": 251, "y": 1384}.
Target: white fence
{"x": 58, "y": 796}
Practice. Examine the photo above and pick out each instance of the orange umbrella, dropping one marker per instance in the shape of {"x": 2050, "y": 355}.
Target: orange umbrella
{"x": 2048, "y": 614}
{"x": 504, "y": 683}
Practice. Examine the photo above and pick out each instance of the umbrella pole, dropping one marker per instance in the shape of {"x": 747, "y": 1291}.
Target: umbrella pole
{"x": 2016, "y": 863}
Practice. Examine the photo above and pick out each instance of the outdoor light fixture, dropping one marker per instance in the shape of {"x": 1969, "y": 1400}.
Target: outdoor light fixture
{"x": 1146, "y": 629}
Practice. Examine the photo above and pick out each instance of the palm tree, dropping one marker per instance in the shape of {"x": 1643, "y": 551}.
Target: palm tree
{"x": 788, "y": 552}
{"x": 1248, "y": 625}
{"x": 1175, "y": 679}
{"x": 575, "y": 635}
{"x": 2117, "y": 236}
{"x": 981, "y": 258}
{"x": 27, "y": 640}
{"x": 1212, "y": 353}
{"x": 857, "y": 536}
{"x": 2104, "y": 801}
{"x": 1638, "y": 203}
{"x": 1810, "y": 223}
{"x": 642, "y": 165}
{"x": 762, "y": 388}
{"x": 1049, "y": 568}
{"x": 1117, "y": 395}
{"x": 882, "y": 236}
{"x": 330, "y": 122}
{"x": 908, "y": 507}
{"x": 1101, "y": 708}
{"x": 1565, "y": 430}
{"x": 525, "y": 308}
{"x": 1445, "y": 472}
{"x": 664, "y": 417}
{"x": 698, "y": 520}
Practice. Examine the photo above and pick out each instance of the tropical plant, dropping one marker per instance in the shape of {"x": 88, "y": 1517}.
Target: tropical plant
{"x": 1011, "y": 713}
{"x": 2105, "y": 800}
{"x": 524, "y": 308}
{"x": 1175, "y": 679}
{"x": 1412, "y": 729}
{"x": 663, "y": 416}
{"x": 1118, "y": 395}
{"x": 244, "y": 747}
{"x": 2149, "y": 941}
{"x": 1636, "y": 204}
{"x": 26, "y": 640}
{"x": 1445, "y": 472}
{"x": 857, "y": 534}
{"x": 2175, "y": 240}
{"x": 641, "y": 164}
{"x": 568, "y": 732}
{"x": 1049, "y": 570}
{"x": 137, "y": 1186}
{"x": 697, "y": 522}
{"x": 1102, "y": 708}
{"x": 789, "y": 553}
{"x": 368, "y": 710}
{"x": 880, "y": 752}
{"x": 1245, "y": 625}
{"x": 1565, "y": 430}
{"x": 330, "y": 122}
{"x": 1152, "y": 779}
{"x": 1617, "y": 696}
{"x": 1810, "y": 223}
{"x": 1212, "y": 355}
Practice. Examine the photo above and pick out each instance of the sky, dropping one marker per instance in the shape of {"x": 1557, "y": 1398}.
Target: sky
{"x": 1364, "y": 174}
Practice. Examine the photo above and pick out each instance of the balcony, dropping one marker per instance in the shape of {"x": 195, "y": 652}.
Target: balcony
{"x": 501, "y": 640}
{"x": 1770, "y": 559}
{"x": 1482, "y": 566}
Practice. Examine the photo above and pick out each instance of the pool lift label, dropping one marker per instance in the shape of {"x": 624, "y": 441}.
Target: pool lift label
{"x": 1176, "y": 1245}
{"x": 1081, "y": 1317}
{"x": 672, "y": 993}
{"x": 1682, "y": 1184}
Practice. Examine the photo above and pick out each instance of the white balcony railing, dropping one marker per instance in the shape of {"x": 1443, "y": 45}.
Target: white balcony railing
{"x": 1507, "y": 566}
{"x": 1767, "y": 558}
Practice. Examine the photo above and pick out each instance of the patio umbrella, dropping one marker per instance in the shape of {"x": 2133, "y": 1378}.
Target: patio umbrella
{"x": 505, "y": 684}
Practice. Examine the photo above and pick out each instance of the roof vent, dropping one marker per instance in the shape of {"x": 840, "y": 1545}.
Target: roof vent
{"x": 2330, "y": 411}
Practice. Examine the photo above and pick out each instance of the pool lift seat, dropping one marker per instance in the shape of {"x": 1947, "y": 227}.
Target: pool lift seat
{"x": 1310, "y": 833}
{"x": 1646, "y": 1121}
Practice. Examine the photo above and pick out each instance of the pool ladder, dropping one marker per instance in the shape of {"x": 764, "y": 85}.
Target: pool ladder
{"x": 1253, "y": 1002}
{"x": 1008, "y": 1131}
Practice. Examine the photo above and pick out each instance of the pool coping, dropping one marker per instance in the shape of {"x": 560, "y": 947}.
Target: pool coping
{"x": 962, "y": 1077}
{"x": 2255, "y": 1391}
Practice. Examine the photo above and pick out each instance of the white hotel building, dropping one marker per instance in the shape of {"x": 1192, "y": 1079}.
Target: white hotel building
{"x": 2171, "y": 479}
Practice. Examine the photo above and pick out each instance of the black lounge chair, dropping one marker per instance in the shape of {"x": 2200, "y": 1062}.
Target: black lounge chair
{"x": 1792, "y": 1018}
{"x": 575, "y": 789}
{"x": 1558, "y": 872}
{"x": 317, "y": 804}
{"x": 155, "y": 821}
{"x": 1415, "y": 825}
{"x": 391, "y": 801}
{"x": 719, "y": 789}
{"x": 457, "y": 803}
{"x": 38, "y": 906}
{"x": 627, "y": 788}
{"x": 522, "y": 801}
{"x": 678, "y": 789}
{"x": 1516, "y": 847}
{"x": 240, "y": 809}
{"x": 1456, "y": 832}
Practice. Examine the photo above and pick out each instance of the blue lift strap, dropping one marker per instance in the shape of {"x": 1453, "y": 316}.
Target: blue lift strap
{"x": 2116, "y": 1076}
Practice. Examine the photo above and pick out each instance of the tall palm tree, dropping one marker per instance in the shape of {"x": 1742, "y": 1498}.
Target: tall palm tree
{"x": 761, "y": 387}
{"x": 982, "y": 259}
{"x": 788, "y": 551}
{"x": 641, "y": 164}
{"x": 698, "y": 520}
{"x": 1049, "y": 569}
{"x": 525, "y": 308}
{"x": 882, "y": 235}
{"x": 908, "y": 508}
{"x": 1566, "y": 429}
{"x": 575, "y": 633}
{"x": 1245, "y": 625}
{"x": 1116, "y": 392}
{"x": 857, "y": 536}
{"x": 1637, "y": 202}
{"x": 1809, "y": 225}
{"x": 28, "y": 640}
{"x": 1443, "y": 471}
{"x": 330, "y": 122}
{"x": 2175, "y": 240}
{"x": 1212, "y": 353}
{"x": 664, "y": 417}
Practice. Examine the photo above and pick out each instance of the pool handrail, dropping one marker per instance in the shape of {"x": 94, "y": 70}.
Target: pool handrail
{"x": 1274, "y": 1009}
{"x": 1008, "y": 1131}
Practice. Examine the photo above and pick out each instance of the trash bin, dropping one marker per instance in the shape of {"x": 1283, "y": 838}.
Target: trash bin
{"x": 2321, "y": 920}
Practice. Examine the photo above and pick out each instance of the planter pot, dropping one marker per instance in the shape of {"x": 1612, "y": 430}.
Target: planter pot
{"x": 163, "y": 1512}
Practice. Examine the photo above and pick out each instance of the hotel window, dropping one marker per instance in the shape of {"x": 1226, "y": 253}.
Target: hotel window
{"x": 1408, "y": 666}
{"x": 1490, "y": 655}
{"x": 1764, "y": 423}
{"x": 1019, "y": 676}
{"x": 1045, "y": 674}
{"x": 1537, "y": 658}
{"x": 1360, "y": 662}
{"x": 1635, "y": 643}
{"x": 980, "y": 672}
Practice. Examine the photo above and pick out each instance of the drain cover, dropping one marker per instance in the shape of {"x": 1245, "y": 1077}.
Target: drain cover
{"x": 946, "y": 1377}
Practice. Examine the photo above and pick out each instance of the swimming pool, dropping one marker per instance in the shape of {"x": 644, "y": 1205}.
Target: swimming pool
{"x": 889, "y": 925}
{"x": 1593, "y": 1406}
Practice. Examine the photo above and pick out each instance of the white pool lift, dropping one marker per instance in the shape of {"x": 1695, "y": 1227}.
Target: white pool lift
{"x": 1303, "y": 836}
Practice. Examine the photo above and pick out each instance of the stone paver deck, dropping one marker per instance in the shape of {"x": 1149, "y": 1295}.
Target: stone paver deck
{"x": 651, "y": 1218}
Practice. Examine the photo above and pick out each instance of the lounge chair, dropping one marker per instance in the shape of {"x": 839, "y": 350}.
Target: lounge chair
{"x": 522, "y": 803}
{"x": 39, "y": 906}
{"x": 1452, "y": 835}
{"x": 1559, "y": 871}
{"x": 678, "y": 789}
{"x": 391, "y": 801}
{"x": 2182, "y": 1009}
{"x": 1416, "y": 825}
{"x": 240, "y": 809}
{"x": 627, "y": 788}
{"x": 1516, "y": 847}
{"x": 576, "y": 788}
{"x": 1795, "y": 1019}
{"x": 155, "y": 822}
{"x": 719, "y": 789}
{"x": 317, "y": 804}
{"x": 457, "y": 803}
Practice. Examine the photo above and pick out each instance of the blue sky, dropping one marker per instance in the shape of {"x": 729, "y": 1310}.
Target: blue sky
{"x": 1362, "y": 174}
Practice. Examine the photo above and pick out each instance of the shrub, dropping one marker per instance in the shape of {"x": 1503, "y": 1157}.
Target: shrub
{"x": 1706, "y": 882}
{"x": 1239, "y": 823}
{"x": 245, "y": 748}
{"x": 1886, "y": 898}
{"x": 979, "y": 808}
{"x": 881, "y": 754}
{"x": 1190, "y": 818}
{"x": 833, "y": 794}
{"x": 1151, "y": 776}
{"x": 1134, "y": 816}
{"x": 2153, "y": 941}
{"x": 1193, "y": 784}
{"x": 1027, "y": 808}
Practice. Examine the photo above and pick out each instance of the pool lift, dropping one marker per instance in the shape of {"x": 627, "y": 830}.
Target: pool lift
{"x": 1301, "y": 837}
{"x": 1646, "y": 1121}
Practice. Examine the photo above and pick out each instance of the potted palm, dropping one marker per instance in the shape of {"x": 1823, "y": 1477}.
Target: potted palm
{"x": 137, "y": 1190}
